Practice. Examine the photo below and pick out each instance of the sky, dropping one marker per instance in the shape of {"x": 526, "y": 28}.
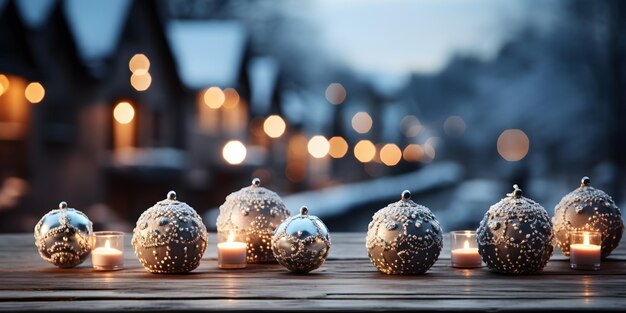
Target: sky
{"x": 399, "y": 37}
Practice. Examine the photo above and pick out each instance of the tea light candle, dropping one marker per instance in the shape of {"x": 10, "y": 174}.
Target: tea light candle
{"x": 585, "y": 248}
{"x": 464, "y": 249}
{"x": 231, "y": 254}
{"x": 108, "y": 252}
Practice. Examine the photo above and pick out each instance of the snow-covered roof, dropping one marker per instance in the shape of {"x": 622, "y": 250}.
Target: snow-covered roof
{"x": 263, "y": 74}
{"x": 34, "y": 12}
{"x": 207, "y": 53}
{"x": 96, "y": 26}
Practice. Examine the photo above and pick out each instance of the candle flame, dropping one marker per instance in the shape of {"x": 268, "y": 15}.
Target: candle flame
{"x": 466, "y": 245}
{"x": 231, "y": 237}
{"x": 586, "y": 238}
{"x": 107, "y": 244}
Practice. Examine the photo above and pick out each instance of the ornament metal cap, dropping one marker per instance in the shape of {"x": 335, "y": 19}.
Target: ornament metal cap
{"x": 517, "y": 192}
{"x": 256, "y": 182}
{"x": 406, "y": 195}
{"x": 304, "y": 210}
{"x": 585, "y": 181}
{"x": 62, "y": 205}
{"x": 171, "y": 195}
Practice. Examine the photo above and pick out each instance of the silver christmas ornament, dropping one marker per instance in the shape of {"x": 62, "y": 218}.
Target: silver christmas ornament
{"x": 404, "y": 238}
{"x": 251, "y": 215}
{"x": 301, "y": 243}
{"x": 170, "y": 237}
{"x": 591, "y": 209}
{"x": 62, "y": 236}
{"x": 515, "y": 236}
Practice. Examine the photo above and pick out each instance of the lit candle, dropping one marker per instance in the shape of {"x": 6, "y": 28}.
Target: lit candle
{"x": 110, "y": 255}
{"x": 231, "y": 254}
{"x": 466, "y": 256}
{"x": 585, "y": 255}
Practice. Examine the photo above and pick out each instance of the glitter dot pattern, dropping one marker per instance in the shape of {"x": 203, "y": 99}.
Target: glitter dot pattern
{"x": 515, "y": 235}
{"x": 404, "y": 238}
{"x": 252, "y": 214}
{"x": 170, "y": 238}
{"x": 588, "y": 209}
{"x": 62, "y": 236}
{"x": 301, "y": 243}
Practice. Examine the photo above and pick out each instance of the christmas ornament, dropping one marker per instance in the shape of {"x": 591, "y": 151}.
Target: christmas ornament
{"x": 170, "y": 237}
{"x": 404, "y": 238}
{"x": 301, "y": 242}
{"x": 515, "y": 236}
{"x": 62, "y": 236}
{"x": 588, "y": 209}
{"x": 252, "y": 214}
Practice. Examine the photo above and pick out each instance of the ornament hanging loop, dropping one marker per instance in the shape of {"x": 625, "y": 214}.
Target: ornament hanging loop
{"x": 585, "y": 181}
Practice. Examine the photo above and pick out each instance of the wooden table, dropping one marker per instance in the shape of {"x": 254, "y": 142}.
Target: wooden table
{"x": 346, "y": 281}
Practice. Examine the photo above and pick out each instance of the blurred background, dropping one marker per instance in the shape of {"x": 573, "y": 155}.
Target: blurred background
{"x": 338, "y": 105}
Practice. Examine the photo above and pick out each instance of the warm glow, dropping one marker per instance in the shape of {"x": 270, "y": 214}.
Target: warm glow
{"x": 141, "y": 82}
{"x": 214, "y": 97}
{"x": 513, "y": 144}
{"x": 231, "y": 237}
{"x": 338, "y": 147}
{"x": 413, "y": 153}
{"x": 586, "y": 238}
{"x": 390, "y": 154}
{"x": 410, "y": 126}
{"x": 335, "y": 93}
{"x": 34, "y": 92}
{"x": 318, "y": 147}
{"x": 274, "y": 126}
{"x": 234, "y": 152}
{"x": 231, "y": 98}
{"x": 454, "y": 126}
{"x": 365, "y": 151}
{"x": 4, "y": 84}
{"x": 107, "y": 244}
{"x": 362, "y": 122}
{"x": 124, "y": 113}
{"x": 139, "y": 64}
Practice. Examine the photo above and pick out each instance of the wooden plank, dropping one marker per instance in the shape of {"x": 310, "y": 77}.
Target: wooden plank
{"x": 346, "y": 281}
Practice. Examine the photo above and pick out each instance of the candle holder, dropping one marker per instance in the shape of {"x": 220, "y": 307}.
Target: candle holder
{"x": 107, "y": 253}
{"x": 464, "y": 249}
{"x": 585, "y": 250}
{"x": 231, "y": 252}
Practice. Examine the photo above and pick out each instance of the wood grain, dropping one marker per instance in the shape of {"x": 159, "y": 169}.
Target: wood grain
{"x": 346, "y": 281}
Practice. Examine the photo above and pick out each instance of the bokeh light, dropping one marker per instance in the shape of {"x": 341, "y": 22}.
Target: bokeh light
{"x": 454, "y": 125}
{"x": 214, "y": 97}
{"x": 336, "y": 93}
{"x": 34, "y": 92}
{"x": 124, "y": 112}
{"x": 231, "y": 98}
{"x": 139, "y": 64}
{"x": 390, "y": 154}
{"x": 513, "y": 144}
{"x": 364, "y": 151}
{"x": 4, "y": 84}
{"x": 410, "y": 126}
{"x": 141, "y": 82}
{"x": 234, "y": 152}
{"x": 274, "y": 126}
{"x": 338, "y": 147}
{"x": 318, "y": 147}
{"x": 362, "y": 122}
{"x": 413, "y": 153}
